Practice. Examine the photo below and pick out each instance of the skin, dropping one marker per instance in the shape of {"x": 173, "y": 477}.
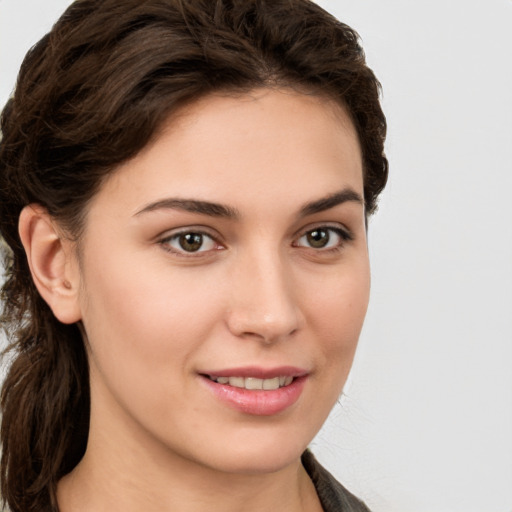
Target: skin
{"x": 256, "y": 293}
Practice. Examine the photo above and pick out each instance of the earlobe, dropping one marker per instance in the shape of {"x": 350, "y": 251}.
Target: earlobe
{"x": 52, "y": 263}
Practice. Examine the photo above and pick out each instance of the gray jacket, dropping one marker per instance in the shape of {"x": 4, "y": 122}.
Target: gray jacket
{"x": 333, "y": 496}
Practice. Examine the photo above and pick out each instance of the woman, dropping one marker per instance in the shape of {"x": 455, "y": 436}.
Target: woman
{"x": 185, "y": 187}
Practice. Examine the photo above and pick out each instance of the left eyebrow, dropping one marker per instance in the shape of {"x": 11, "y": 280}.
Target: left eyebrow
{"x": 330, "y": 201}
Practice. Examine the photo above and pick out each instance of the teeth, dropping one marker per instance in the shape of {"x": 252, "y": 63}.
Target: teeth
{"x": 269, "y": 384}
{"x": 254, "y": 383}
{"x": 237, "y": 382}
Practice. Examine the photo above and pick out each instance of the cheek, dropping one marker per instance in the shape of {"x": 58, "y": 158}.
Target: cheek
{"x": 145, "y": 318}
{"x": 144, "y": 331}
{"x": 337, "y": 311}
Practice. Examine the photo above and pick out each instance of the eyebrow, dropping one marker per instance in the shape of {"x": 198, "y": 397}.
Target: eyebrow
{"x": 332, "y": 200}
{"x": 228, "y": 212}
{"x": 193, "y": 206}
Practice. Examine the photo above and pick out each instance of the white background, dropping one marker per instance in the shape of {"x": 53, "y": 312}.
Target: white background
{"x": 426, "y": 421}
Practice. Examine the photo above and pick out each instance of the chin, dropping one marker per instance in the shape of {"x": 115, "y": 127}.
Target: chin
{"x": 261, "y": 462}
{"x": 257, "y": 452}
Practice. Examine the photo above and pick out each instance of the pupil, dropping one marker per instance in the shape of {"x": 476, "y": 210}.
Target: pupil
{"x": 318, "y": 238}
{"x": 191, "y": 241}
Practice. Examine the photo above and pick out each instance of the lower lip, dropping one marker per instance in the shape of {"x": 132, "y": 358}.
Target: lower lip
{"x": 258, "y": 402}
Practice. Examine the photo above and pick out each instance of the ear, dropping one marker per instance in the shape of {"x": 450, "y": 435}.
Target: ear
{"x": 52, "y": 261}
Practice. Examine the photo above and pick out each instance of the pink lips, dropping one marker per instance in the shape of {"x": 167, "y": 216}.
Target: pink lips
{"x": 258, "y": 402}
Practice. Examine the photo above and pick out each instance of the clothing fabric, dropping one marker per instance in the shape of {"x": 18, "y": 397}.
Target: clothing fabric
{"x": 333, "y": 496}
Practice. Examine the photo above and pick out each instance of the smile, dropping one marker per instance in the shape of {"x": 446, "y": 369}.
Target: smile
{"x": 257, "y": 391}
{"x": 254, "y": 383}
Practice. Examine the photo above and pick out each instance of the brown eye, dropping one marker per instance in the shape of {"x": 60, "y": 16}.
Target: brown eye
{"x": 318, "y": 238}
{"x": 324, "y": 237}
{"x": 189, "y": 242}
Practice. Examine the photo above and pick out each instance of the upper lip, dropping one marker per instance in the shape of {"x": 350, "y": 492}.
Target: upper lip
{"x": 258, "y": 372}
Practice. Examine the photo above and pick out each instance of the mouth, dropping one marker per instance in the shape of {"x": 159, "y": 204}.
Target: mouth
{"x": 254, "y": 383}
{"x": 257, "y": 391}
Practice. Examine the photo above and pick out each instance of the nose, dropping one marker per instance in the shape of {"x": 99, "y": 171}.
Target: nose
{"x": 264, "y": 303}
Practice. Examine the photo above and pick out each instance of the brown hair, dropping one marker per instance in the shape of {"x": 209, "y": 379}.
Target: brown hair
{"x": 90, "y": 95}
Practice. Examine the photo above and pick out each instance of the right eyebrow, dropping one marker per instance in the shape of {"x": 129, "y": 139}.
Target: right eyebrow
{"x": 193, "y": 206}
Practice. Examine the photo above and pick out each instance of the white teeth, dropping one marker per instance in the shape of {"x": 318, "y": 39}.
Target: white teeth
{"x": 269, "y": 384}
{"x": 253, "y": 383}
{"x": 237, "y": 382}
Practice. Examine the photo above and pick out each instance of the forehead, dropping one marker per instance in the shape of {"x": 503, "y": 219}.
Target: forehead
{"x": 268, "y": 115}
{"x": 279, "y": 144}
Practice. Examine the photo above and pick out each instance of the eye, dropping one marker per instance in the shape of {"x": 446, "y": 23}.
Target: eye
{"x": 323, "y": 237}
{"x": 189, "y": 242}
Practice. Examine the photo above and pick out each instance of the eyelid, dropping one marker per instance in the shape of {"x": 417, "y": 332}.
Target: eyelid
{"x": 344, "y": 233}
{"x": 164, "y": 239}
{"x": 334, "y": 226}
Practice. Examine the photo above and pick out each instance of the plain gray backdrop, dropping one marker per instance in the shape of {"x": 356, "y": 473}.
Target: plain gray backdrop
{"x": 425, "y": 423}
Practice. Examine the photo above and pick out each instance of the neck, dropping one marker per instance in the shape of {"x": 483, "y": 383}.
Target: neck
{"x": 97, "y": 484}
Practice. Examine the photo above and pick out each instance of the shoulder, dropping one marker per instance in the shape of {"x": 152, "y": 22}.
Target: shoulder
{"x": 333, "y": 496}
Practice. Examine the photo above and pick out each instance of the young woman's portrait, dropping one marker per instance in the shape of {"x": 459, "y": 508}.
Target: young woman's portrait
{"x": 194, "y": 216}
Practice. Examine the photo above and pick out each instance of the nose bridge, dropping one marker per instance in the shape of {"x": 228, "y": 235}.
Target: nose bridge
{"x": 263, "y": 303}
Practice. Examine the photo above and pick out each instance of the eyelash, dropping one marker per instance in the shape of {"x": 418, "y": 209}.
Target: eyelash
{"x": 166, "y": 243}
{"x": 343, "y": 235}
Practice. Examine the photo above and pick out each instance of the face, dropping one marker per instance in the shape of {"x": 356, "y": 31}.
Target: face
{"x": 230, "y": 254}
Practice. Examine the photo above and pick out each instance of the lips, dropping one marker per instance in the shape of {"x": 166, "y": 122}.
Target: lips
{"x": 257, "y": 391}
